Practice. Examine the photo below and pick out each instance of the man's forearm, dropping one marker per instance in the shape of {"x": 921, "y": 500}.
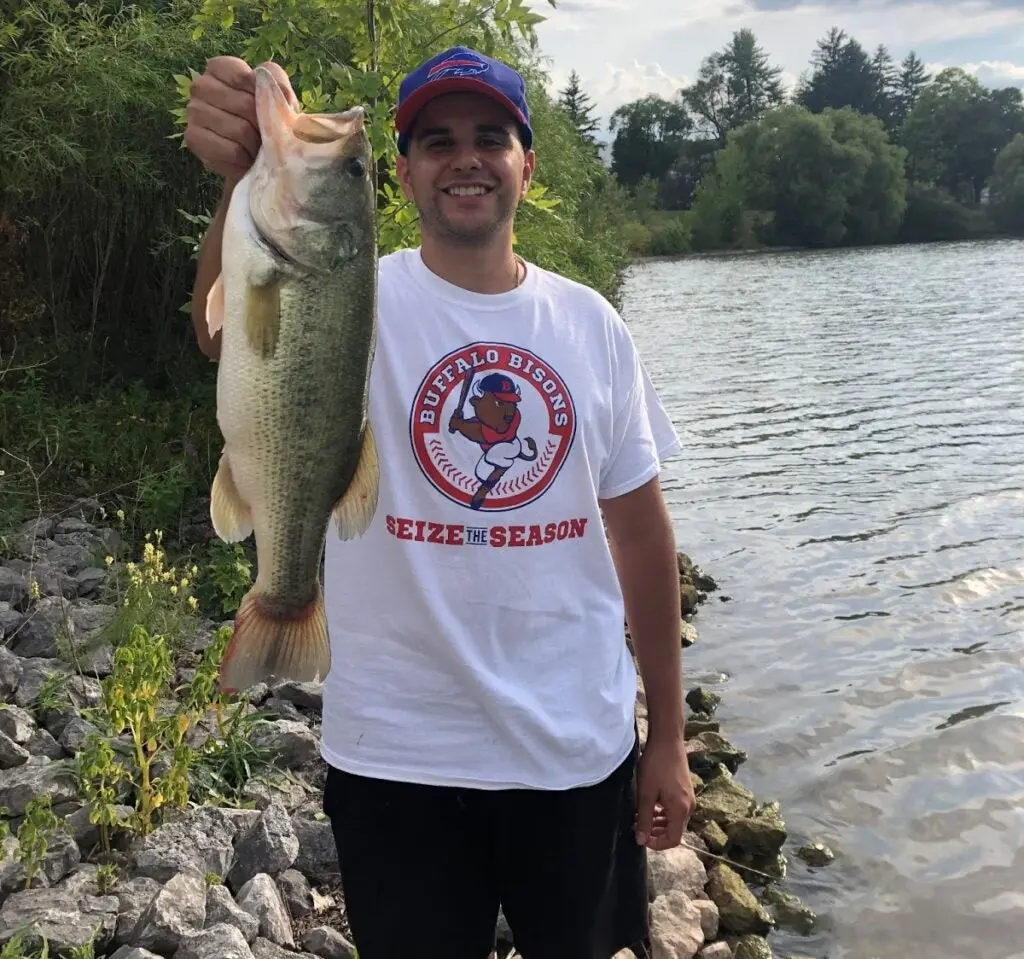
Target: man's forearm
{"x": 207, "y": 271}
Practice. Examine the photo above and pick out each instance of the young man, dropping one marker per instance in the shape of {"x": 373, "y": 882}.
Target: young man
{"x": 479, "y": 712}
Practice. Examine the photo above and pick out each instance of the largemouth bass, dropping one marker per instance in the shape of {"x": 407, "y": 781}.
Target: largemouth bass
{"x": 296, "y": 306}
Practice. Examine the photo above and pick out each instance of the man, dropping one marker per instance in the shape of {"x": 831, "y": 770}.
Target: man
{"x": 478, "y": 716}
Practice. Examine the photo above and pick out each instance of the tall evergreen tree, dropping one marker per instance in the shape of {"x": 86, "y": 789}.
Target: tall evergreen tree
{"x": 842, "y": 76}
{"x": 579, "y": 107}
{"x": 913, "y": 79}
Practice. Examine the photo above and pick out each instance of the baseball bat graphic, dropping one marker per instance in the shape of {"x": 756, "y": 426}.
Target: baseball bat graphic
{"x": 467, "y": 382}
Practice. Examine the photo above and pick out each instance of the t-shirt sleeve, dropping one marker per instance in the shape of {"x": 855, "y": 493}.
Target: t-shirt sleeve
{"x": 642, "y": 434}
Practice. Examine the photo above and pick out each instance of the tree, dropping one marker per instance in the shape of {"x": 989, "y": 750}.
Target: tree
{"x": 1007, "y": 186}
{"x": 887, "y": 88}
{"x": 579, "y": 107}
{"x": 817, "y": 179}
{"x": 913, "y": 79}
{"x": 734, "y": 86}
{"x": 648, "y": 136}
{"x": 842, "y": 76}
{"x": 957, "y": 129}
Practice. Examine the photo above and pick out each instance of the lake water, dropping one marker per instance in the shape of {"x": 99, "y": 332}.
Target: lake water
{"x": 853, "y": 476}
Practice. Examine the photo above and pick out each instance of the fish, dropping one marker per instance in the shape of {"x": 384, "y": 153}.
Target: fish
{"x": 296, "y": 305}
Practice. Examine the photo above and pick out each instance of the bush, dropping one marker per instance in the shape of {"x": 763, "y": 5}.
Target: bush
{"x": 933, "y": 215}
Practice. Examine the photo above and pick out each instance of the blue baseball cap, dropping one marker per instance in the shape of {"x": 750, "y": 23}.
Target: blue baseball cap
{"x": 462, "y": 70}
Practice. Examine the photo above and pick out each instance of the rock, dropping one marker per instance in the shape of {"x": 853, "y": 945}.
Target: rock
{"x": 709, "y": 918}
{"x": 86, "y": 834}
{"x": 675, "y": 926}
{"x": 22, "y": 784}
{"x": 75, "y": 734}
{"x": 259, "y": 897}
{"x": 48, "y": 623}
{"x": 282, "y": 709}
{"x": 13, "y": 586}
{"x": 687, "y": 634}
{"x": 714, "y": 836}
{"x": 739, "y": 911}
{"x": 219, "y": 941}
{"x": 290, "y": 744}
{"x": 304, "y": 695}
{"x": 695, "y": 725}
{"x": 10, "y": 667}
{"x": 42, "y": 743}
{"x": 265, "y": 949}
{"x": 318, "y": 855}
{"x": 328, "y": 943}
{"x": 789, "y": 912}
{"x": 134, "y": 897}
{"x": 689, "y": 598}
{"x": 178, "y": 910}
{"x": 284, "y": 792}
{"x": 707, "y": 751}
{"x": 763, "y": 834}
{"x": 16, "y": 723}
{"x": 11, "y": 754}
{"x": 816, "y": 854}
{"x": 677, "y": 868}
{"x": 66, "y": 919}
{"x": 62, "y": 855}
{"x": 90, "y": 581}
{"x": 270, "y": 847}
{"x": 201, "y": 839}
{"x": 296, "y": 892}
{"x": 717, "y": 950}
{"x": 723, "y": 800}
{"x": 134, "y": 952}
{"x": 222, "y": 908}
{"x": 702, "y": 700}
{"x": 750, "y": 947}
{"x": 36, "y": 672}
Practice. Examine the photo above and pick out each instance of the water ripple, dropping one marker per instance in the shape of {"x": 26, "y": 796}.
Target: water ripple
{"x": 853, "y": 473}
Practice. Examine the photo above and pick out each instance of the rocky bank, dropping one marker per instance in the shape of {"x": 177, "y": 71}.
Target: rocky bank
{"x": 257, "y": 877}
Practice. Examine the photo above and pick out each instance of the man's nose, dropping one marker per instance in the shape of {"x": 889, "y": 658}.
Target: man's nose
{"x": 466, "y": 158}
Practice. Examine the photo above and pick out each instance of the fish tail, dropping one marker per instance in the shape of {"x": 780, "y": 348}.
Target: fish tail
{"x": 294, "y": 646}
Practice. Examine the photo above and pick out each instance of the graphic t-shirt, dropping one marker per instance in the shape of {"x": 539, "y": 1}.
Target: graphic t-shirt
{"x": 477, "y": 628}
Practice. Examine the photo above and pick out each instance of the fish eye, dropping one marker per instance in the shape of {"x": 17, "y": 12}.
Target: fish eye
{"x": 355, "y": 168}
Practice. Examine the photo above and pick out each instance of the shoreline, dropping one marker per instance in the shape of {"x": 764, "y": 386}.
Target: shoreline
{"x": 237, "y": 859}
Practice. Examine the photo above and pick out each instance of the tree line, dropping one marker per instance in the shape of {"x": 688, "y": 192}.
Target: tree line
{"x": 864, "y": 149}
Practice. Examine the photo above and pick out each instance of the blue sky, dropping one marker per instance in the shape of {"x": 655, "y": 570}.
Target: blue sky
{"x": 624, "y": 49}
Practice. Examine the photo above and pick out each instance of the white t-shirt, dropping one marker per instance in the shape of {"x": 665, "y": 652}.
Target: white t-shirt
{"x": 482, "y": 644}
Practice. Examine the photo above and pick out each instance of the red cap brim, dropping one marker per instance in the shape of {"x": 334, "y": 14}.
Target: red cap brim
{"x": 408, "y": 110}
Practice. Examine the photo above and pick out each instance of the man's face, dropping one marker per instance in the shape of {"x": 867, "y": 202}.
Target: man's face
{"x": 466, "y": 170}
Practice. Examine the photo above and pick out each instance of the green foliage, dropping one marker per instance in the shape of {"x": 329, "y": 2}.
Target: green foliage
{"x": 38, "y": 827}
{"x": 1008, "y": 186}
{"x": 822, "y": 180}
{"x": 933, "y": 215}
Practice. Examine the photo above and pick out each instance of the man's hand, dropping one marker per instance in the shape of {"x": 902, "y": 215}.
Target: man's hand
{"x": 222, "y": 129}
{"x": 665, "y": 797}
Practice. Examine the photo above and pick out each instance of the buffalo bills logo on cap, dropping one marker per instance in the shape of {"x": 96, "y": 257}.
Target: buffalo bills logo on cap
{"x": 458, "y": 65}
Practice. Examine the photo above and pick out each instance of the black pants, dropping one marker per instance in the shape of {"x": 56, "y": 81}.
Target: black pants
{"x": 424, "y": 869}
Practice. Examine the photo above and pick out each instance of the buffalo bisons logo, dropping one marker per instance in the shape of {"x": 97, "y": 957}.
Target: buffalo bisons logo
{"x": 491, "y": 426}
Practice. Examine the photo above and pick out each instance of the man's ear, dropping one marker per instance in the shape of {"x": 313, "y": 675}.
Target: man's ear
{"x": 529, "y": 165}
{"x": 402, "y": 171}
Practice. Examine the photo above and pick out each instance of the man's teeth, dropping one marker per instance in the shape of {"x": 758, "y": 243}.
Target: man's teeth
{"x": 467, "y": 190}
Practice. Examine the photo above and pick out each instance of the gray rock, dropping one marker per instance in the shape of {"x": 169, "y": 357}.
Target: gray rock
{"x": 82, "y": 880}
{"x": 201, "y": 839}
{"x": 675, "y": 926}
{"x": 265, "y": 949}
{"x": 35, "y": 673}
{"x": 296, "y": 892}
{"x": 10, "y": 667}
{"x": 271, "y": 846}
{"x": 723, "y": 800}
{"x": 21, "y": 785}
{"x": 816, "y": 854}
{"x": 717, "y": 950}
{"x": 48, "y": 622}
{"x": 66, "y": 919}
{"x": 706, "y": 751}
{"x": 134, "y": 952}
{"x": 11, "y": 754}
{"x": 318, "y": 855}
{"x": 219, "y": 941}
{"x": 259, "y": 897}
{"x": 304, "y": 695}
{"x": 242, "y": 819}
{"x": 789, "y": 912}
{"x": 284, "y": 792}
{"x": 282, "y": 709}
{"x": 72, "y": 524}
{"x": 62, "y": 855}
{"x": 17, "y": 723}
{"x": 709, "y": 919}
{"x": 13, "y": 586}
{"x": 134, "y": 897}
{"x": 90, "y": 581}
{"x": 80, "y": 692}
{"x": 677, "y": 868}
{"x": 43, "y": 744}
{"x": 750, "y": 947}
{"x": 739, "y": 911}
{"x": 178, "y": 910}
{"x": 86, "y": 834}
{"x": 75, "y": 734}
{"x": 221, "y": 908}
{"x": 702, "y": 700}
{"x": 290, "y": 744}
{"x": 762, "y": 834}
{"x": 328, "y": 943}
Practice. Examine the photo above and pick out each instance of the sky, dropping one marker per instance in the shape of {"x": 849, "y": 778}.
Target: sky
{"x": 625, "y": 49}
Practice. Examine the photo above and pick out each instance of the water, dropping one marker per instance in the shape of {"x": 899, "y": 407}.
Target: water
{"x": 853, "y": 476}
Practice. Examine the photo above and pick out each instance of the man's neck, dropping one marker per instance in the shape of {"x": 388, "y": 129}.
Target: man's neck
{"x": 490, "y": 268}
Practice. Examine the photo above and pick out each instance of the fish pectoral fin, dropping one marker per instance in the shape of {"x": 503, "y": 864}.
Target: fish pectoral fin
{"x": 354, "y": 511}
{"x": 263, "y": 318}
{"x": 229, "y": 513}
{"x": 215, "y": 305}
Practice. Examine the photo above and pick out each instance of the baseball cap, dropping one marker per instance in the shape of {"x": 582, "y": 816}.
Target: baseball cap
{"x": 501, "y": 386}
{"x": 462, "y": 70}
